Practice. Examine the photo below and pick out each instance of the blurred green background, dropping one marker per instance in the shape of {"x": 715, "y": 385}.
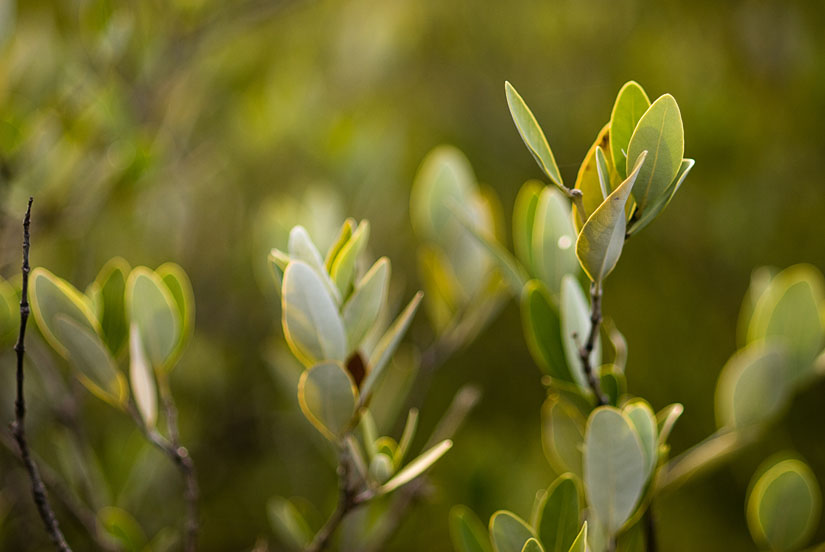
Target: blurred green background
{"x": 192, "y": 130}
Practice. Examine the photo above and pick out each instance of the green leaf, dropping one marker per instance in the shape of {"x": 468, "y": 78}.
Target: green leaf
{"x": 343, "y": 237}
{"x": 180, "y": 287}
{"x": 615, "y": 467}
{"x": 327, "y": 396}
{"x": 660, "y": 133}
{"x": 361, "y": 310}
{"x": 389, "y": 342}
{"x": 666, "y": 419}
{"x": 562, "y": 435}
{"x": 631, "y": 104}
{"x": 533, "y": 136}
{"x": 542, "y": 331}
{"x": 312, "y": 326}
{"x": 416, "y": 467}
{"x": 760, "y": 282}
{"x": 601, "y": 239}
{"x": 343, "y": 268}
{"x": 509, "y": 532}
{"x": 643, "y": 420}
{"x": 301, "y": 248}
{"x": 52, "y": 296}
{"x": 108, "y": 291}
{"x": 152, "y": 309}
{"x": 659, "y": 203}
{"x": 754, "y": 386}
{"x": 612, "y": 382}
{"x": 784, "y": 506}
{"x": 580, "y": 544}
{"x": 789, "y": 312}
{"x": 554, "y": 240}
{"x": 603, "y": 172}
{"x": 93, "y": 365}
{"x": 381, "y": 468}
{"x": 575, "y": 324}
{"x": 287, "y": 523}
{"x": 467, "y": 532}
{"x": 406, "y": 437}
{"x": 142, "y": 379}
{"x": 524, "y": 216}
{"x": 557, "y": 522}
{"x": 532, "y": 545}
{"x": 587, "y": 180}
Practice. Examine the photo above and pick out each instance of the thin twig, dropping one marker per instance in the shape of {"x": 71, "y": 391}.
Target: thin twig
{"x": 185, "y": 464}
{"x": 179, "y": 456}
{"x": 586, "y": 350}
{"x": 18, "y": 427}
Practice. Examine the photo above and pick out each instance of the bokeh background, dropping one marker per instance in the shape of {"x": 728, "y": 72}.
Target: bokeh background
{"x": 195, "y": 130}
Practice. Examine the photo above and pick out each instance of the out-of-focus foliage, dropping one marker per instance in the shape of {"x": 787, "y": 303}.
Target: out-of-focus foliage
{"x": 201, "y": 131}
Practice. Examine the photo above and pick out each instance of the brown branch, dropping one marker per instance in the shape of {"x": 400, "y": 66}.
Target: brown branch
{"x": 18, "y": 427}
{"x": 587, "y": 348}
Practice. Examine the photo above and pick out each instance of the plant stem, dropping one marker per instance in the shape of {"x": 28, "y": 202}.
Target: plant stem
{"x": 179, "y": 456}
{"x": 18, "y": 427}
{"x": 184, "y": 462}
{"x": 348, "y": 500}
{"x": 650, "y": 530}
{"x": 587, "y": 348}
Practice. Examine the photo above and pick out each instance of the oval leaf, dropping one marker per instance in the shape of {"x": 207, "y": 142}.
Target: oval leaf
{"x": 554, "y": 240}
{"x": 615, "y": 468}
{"x": 601, "y": 239}
{"x": 312, "y": 326}
{"x": 562, "y": 435}
{"x": 784, "y": 506}
{"x": 631, "y": 104}
{"x": 361, "y": 310}
{"x": 509, "y": 532}
{"x": 557, "y": 523}
{"x": 542, "y": 330}
{"x": 753, "y": 387}
{"x": 327, "y": 396}
{"x": 524, "y": 215}
{"x": 643, "y": 420}
{"x": 533, "y": 136}
{"x": 659, "y": 133}
{"x": 152, "y": 309}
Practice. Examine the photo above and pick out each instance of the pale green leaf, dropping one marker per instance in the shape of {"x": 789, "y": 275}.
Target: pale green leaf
{"x": 152, "y": 309}
{"x": 562, "y": 435}
{"x": 660, "y": 133}
{"x": 52, "y": 296}
{"x": 524, "y": 215}
{"x": 532, "y": 135}
{"x": 301, "y": 248}
{"x": 789, "y": 312}
{"x": 343, "y": 237}
{"x": 602, "y": 237}
{"x": 416, "y": 467}
{"x": 784, "y": 506}
{"x": 631, "y": 104}
{"x": 603, "y": 172}
{"x": 360, "y": 312}
{"x": 108, "y": 292}
{"x": 509, "y": 532}
{"x": 554, "y": 240}
{"x": 343, "y": 268}
{"x": 91, "y": 360}
{"x": 643, "y": 420}
{"x": 753, "y": 387}
{"x": 557, "y": 522}
{"x": 312, "y": 326}
{"x": 542, "y": 331}
{"x": 615, "y": 469}
{"x": 666, "y": 419}
{"x": 406, "y": 437}
{"x": 142, "y": 379}
{"x": 389, "y": 342}
{"x": 327, "y": 396}
{"x": 180, "y": 287}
